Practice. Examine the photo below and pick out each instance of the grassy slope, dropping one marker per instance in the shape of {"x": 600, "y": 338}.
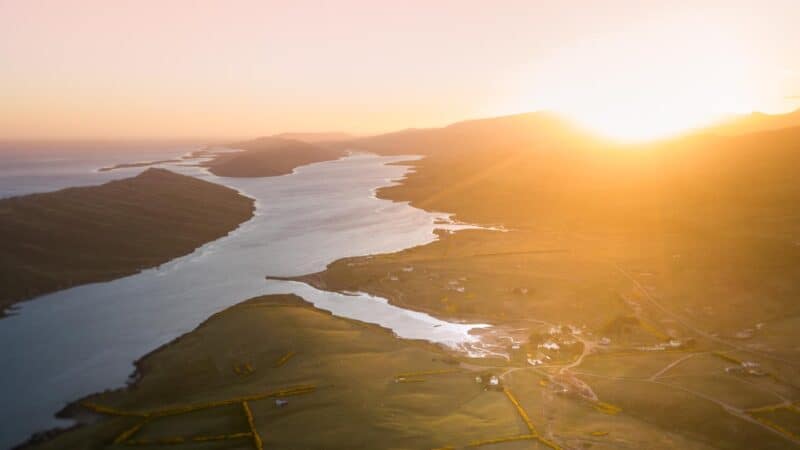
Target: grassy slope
{"x": 73, "y": 236}
{"x": 711, "y": 219}
{"x": 692, "y": 182}
{"x": 493, "y": 269}
{"x": 357, "y": 404}
{"x": 704, "y": 224}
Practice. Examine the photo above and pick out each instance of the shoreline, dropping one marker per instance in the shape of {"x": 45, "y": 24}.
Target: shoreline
{"x": 75, "y": 408}
{"x": 137, "y": 372}
{"x": 150, "y": 197}
{"x": 316, "y": 281}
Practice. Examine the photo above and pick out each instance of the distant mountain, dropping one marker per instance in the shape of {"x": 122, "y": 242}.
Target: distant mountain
{"x": 536, "y": 168}
{"x": 536, "y": 129}
{"x": 756, "y": 122}
{"x": 315, "y": 137}
{"x": 269, "y": 156}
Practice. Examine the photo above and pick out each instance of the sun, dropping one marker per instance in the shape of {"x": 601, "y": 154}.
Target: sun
{"x": 638, "y": 119}
{"x": 642, "y": 101}
{"x": 648, "y": 83}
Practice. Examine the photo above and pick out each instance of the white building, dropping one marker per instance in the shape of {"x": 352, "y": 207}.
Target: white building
{"x": 550, "y": 345}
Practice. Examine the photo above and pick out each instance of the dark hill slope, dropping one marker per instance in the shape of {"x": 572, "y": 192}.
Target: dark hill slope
{"x": 269, "y": 156}
{"x": 316, "y": 137}
{"x": 60, "y": 239}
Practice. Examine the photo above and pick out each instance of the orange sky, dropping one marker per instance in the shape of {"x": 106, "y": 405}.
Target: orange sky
{"x": 243, "y": 68}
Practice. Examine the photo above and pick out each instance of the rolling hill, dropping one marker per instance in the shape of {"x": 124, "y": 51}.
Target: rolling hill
{"x": 61, "y": 239}
{"x": 269, "y": 156}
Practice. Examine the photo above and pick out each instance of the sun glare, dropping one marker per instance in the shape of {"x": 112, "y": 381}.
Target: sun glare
{"x": 648, "y": 83}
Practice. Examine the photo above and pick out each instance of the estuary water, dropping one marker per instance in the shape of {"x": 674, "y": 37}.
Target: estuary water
{"x": 62, "y": 346}
{"x": 30, "y": 167}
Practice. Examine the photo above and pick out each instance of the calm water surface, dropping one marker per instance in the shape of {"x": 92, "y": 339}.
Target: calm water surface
{"x": 60, "y": 347}
{"x": 30, "y": 167}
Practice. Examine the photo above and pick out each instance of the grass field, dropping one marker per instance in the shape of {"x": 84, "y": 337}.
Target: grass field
{"x": 349, "y": 396}
{"x": 626, "y": 301}
{"x": 356, "y": 402}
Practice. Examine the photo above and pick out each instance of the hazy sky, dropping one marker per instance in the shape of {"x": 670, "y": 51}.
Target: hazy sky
{"x": 74, "y": 68}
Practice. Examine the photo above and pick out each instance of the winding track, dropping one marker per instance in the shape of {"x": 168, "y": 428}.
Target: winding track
{"x": 693, "y": 328}
{"x": 672, "y": 365}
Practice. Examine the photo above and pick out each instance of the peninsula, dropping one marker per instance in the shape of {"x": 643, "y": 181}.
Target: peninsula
{"x": 269, "y": 156}
{"x": 57, "y": 240}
